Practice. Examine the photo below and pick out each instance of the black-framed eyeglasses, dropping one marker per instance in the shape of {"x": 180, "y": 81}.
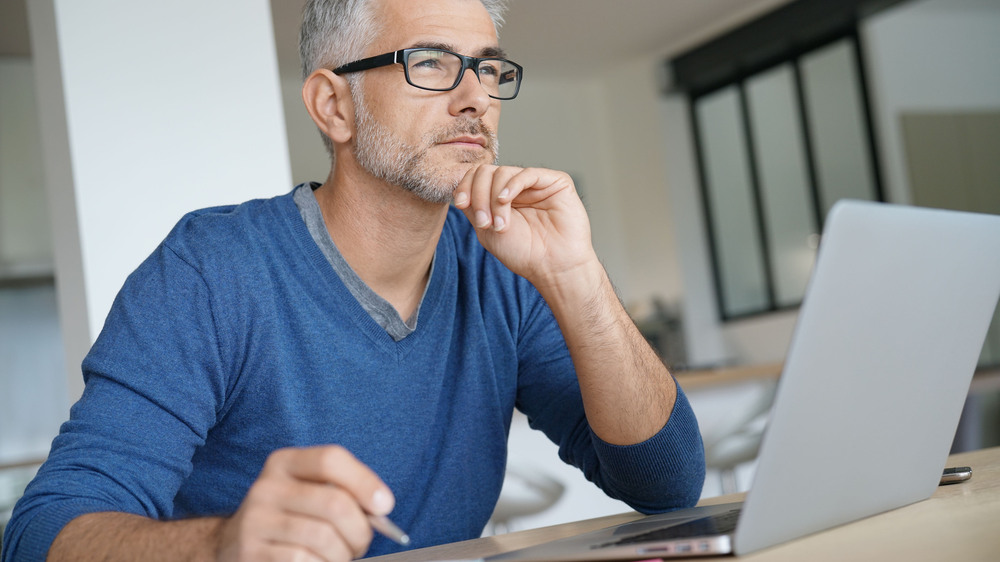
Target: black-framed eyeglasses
{"x": 439, "y": 70}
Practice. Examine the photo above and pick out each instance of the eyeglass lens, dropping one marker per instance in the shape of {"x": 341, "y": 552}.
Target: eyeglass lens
{"x": 439, "y": 70}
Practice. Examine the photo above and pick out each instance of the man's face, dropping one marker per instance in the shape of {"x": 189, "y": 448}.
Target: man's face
{"x": 421, "y": 140}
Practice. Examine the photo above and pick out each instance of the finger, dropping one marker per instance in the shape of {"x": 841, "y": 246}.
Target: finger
{"x": 539, "y": 183}
{"x": 460, "y": 197}
{"x": 321, "y": 517}
{"x": 336, "y": 508}
{"x": 279, "y": 551}
{"x": 501, "y": 196}
{"x": 313, "y": 536}
{"x": 332, "y": 464}
{"x": 480, "y": 196}
{"x": 257, "y": 532}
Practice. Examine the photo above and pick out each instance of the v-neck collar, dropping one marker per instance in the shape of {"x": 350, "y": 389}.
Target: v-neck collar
{"x": 340, "y": 295}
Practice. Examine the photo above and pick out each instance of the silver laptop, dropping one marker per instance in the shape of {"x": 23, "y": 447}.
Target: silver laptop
{"x": 876, "y": 376}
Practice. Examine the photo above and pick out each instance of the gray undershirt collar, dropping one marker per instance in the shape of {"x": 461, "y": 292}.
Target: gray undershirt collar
{"x": 383, "y": 313}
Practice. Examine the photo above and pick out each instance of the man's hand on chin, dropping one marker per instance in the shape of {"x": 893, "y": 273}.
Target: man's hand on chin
{"x": 531, "y": 219}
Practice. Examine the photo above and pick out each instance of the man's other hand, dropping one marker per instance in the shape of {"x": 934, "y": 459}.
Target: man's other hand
{"x": 307, "y": 504}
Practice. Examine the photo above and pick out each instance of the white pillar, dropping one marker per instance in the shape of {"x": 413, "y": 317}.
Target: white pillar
{"x": 148, "y": 110}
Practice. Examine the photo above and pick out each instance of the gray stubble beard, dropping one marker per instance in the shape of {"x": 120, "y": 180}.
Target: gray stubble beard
{"x": 387, "y": 157}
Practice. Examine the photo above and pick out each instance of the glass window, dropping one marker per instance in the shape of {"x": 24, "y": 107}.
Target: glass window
{"x": 786, "y": 198}
{"x": 836, "y": 113}
{"x": 726, "y": 172}
{"x": 777, "y": 146}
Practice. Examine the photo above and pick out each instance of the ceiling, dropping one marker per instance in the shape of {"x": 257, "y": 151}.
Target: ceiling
{"x": 566, "y": 37}
{"x": 554, "y": 37}
{"x": 560, "y": 37}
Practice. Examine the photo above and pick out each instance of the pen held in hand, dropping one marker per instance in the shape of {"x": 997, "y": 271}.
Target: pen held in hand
{"x": 384, "y": 525}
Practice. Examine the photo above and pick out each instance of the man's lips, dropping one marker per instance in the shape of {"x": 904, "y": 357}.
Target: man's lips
{"x": 466, "y": 141}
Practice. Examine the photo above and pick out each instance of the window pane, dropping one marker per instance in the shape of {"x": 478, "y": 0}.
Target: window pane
{"x": 734, "y": 220}
{"x": 836, "y": 116}
{"x": 33, "y": 377}
{"x": 789, "y": 214}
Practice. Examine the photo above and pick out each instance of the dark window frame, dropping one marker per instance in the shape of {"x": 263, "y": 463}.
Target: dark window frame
{"x": 741, "y": 68}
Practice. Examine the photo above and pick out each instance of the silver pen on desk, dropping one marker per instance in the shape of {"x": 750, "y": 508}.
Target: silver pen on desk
{"x": 384, "y": 525}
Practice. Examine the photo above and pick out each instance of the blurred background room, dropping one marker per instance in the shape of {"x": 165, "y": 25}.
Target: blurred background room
{"x": 708, "y": 138}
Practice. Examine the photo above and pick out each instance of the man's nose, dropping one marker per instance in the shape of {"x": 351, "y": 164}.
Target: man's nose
{"x": 471, "y": 94}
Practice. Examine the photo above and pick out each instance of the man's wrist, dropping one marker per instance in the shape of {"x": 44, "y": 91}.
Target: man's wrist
{"x": 213, "y": 539}
{"x": 125, "y": 536}
{"x": 576, "y": 287}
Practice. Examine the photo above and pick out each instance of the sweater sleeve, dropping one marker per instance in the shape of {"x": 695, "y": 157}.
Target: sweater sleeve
{"x": 663, "y": 473}
{"x": 152, "y": 391}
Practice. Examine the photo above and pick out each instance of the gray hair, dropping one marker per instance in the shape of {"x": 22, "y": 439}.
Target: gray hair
{"x": 336, "y": 32}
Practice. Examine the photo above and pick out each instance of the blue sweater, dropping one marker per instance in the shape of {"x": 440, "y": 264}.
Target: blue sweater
{"x": 236, "y": 337}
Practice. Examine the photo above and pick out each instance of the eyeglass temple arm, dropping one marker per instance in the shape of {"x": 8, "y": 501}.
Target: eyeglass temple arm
{"x": 370, "y": 62}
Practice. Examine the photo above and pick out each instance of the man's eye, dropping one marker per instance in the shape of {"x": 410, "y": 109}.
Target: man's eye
{"x": 427, "y": 64}
{"x": 489, "y": 70}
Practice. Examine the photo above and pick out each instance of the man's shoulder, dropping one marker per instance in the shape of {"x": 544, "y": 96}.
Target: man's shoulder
{"x": 255, "y": 219}
{"x": 222, "y": 216}
{"x": 232, "y": 238}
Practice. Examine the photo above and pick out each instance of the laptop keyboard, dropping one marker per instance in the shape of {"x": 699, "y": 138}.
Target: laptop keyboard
{"x": 718, "y": 524}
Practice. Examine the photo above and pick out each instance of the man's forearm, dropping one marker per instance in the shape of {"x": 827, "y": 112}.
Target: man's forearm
{"x": 307, "y": 502}
{"x": 533, "y": 221}
{"x": 111, "y": 536}
{"x": 627, "y": 391}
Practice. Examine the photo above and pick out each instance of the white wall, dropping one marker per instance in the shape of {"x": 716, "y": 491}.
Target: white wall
{"x": 930, "y": 55}
{"x": 148, "y": 110}
{"x": 562, "y": 124}
{"x": 605, "y": 131}
{"x": 635, "y": 137}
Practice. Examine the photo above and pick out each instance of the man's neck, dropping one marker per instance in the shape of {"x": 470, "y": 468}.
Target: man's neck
{"x": 386, "y": 234}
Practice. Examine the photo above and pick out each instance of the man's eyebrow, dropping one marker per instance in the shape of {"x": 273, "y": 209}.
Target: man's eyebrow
{"x": 493, "y": 52}
{"x": 497, "y": 52}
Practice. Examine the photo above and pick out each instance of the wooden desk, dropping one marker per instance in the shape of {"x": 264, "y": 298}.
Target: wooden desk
{"x": 694, "y": 380}
{"x": 959, "y": 522}
{"x": 986, "y": 379}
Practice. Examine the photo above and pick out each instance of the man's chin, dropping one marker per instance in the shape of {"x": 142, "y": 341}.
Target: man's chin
{"x": 452, "y": 170}
{"x": 459, "y": 171}
{"x": 442, "y": 175}
{"x": 439, "y": 185}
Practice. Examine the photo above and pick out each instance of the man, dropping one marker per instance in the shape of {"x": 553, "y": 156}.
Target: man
{"x": 280, "y": 370}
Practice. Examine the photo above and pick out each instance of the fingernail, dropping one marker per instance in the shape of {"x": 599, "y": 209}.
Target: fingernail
{"x": 504, "y": 193}
{"x": 498, "y": 223}
{"x": 382, "y": 502}
{"x": 482, "y": 219}
{"x": 461, "y": 199}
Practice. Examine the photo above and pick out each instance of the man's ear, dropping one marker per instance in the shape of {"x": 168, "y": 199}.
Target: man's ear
{"x": 328, "y": 100}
